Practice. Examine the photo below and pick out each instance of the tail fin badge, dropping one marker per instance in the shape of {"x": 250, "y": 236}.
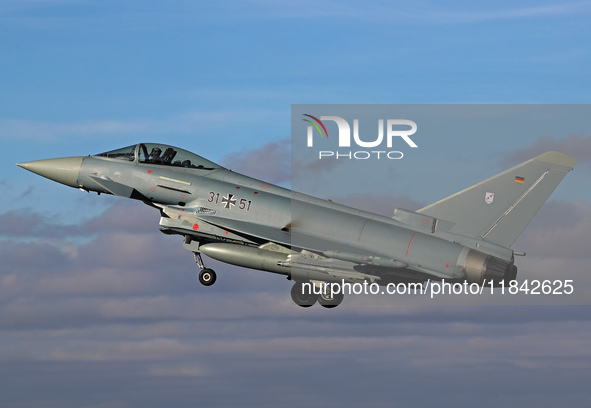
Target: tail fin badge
{"x": 489, "y": 197}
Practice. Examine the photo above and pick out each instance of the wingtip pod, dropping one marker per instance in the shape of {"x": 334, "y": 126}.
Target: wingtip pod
{"x": 557, "y": 158}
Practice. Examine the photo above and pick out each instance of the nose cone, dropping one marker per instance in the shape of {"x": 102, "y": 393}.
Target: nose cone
{"x": 64, "y": 170}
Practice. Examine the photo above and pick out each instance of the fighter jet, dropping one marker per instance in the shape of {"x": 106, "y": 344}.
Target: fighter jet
{"x": 236, "y": 219}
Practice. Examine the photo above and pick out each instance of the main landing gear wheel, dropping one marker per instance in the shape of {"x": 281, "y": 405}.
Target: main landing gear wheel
{"x": 207, "y": 277}
{"x": 330, "y": 300}
{"x": 300, "y": 298}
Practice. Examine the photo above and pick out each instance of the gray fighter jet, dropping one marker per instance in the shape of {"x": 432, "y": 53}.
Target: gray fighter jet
{"x": 466, "y": 237}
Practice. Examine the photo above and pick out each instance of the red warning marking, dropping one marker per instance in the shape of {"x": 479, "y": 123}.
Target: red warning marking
{"x": 237, "y": 187}
{"x": 226, "y": 232}
{"x": 408, "y": 247}
{"x": 195, "y": 227}
{"x": 256, "y": 192}
{"x": 447, "y": 266}
{"x": 149, "y": 171}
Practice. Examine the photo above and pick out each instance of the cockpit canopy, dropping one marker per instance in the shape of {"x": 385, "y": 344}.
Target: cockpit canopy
{"x": 160, "y": 154}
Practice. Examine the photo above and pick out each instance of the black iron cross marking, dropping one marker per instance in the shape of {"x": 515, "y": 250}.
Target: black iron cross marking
{"x": 229, "y": 201}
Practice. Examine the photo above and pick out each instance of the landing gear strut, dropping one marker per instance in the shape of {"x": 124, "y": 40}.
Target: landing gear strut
{"x": 207, "y": 276}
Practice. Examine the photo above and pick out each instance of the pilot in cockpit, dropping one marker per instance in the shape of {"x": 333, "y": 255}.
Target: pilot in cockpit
{"x": 155, "y": 155}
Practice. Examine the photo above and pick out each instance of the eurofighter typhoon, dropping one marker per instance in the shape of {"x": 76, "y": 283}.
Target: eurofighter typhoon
{"x": 466, "y": 237}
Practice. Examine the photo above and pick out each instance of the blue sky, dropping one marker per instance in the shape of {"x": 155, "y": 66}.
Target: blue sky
{"x": 99, "y": 309}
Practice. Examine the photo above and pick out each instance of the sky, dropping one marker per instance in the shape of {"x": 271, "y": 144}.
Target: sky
{"x": 99, "y": 309}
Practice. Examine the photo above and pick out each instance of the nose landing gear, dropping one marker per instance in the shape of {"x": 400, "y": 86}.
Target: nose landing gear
{"x": 207, "y": 276}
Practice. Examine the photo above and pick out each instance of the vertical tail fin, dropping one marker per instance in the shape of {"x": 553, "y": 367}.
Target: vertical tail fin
{"x": 498, "y": 209}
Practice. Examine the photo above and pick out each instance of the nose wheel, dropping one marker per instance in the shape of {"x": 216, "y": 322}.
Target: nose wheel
{"x": 207, "y": 276}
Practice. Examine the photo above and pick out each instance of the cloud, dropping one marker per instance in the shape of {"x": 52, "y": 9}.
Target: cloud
{"x": 271, "y": 162}
{"x": 27, "y": 223}
{"x": 424, "y": 13}
{"x": 119, "y": 351}
{"x": 560, "y": 230}
{"x": 429, "y": 12}
{"x": 182, "y": 122}
{"x": 180, "y": 370}
{"x": 308, "y": 167}
{"x": 576, "y": 145}
{"x": 470, "y": 16}
{"x": 125, "y": 216}
{"x": 385, "y": 354}
{"x": 42, "y": 130}
{"x": 123, "y": 307}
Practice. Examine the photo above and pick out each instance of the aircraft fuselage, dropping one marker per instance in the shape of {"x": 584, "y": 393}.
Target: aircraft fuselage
{"x": 247, "y": 222}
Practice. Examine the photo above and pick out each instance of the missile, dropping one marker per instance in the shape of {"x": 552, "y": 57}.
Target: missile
{"x": 367, "y": 260}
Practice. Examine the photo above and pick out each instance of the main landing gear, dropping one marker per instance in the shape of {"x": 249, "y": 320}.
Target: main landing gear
{"x": 305, "y": 296}
{"x": 207, "y": 276}
{"x": 302, "y": 295}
